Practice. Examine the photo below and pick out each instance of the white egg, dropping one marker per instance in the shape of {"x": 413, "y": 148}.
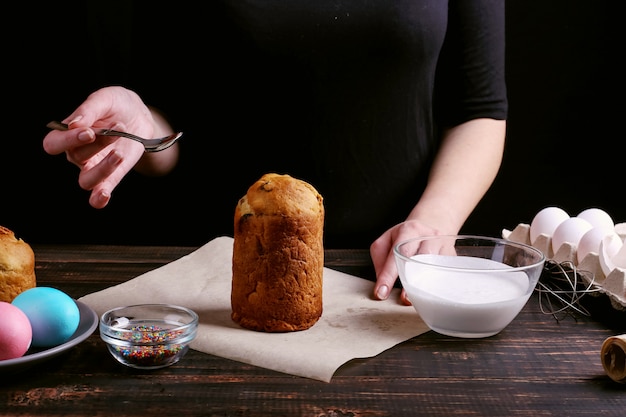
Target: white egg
{"x": 619, "y": 259}
{"x": 612, "y": 253}
{"x": 590, "y": 243}
{"x": 571, "y": 231}
{"x": 598, "y": 218}
{"x": 546, "y": 221}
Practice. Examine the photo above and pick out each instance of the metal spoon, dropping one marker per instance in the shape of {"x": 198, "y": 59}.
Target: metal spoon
{"x": 150, "y": 145}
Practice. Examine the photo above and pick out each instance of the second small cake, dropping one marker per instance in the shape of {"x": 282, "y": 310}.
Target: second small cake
{"x": 17, "y": 265}
{"x": 278, "y": 255}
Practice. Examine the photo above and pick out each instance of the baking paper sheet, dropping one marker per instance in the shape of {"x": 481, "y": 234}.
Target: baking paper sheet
{"x": 353, "y": 325}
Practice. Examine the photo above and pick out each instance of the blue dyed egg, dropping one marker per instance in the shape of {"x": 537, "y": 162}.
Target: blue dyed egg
{"x": 54, "y": 315}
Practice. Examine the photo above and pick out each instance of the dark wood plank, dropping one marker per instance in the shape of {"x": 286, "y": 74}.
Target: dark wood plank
{"x": 537, "y": 366}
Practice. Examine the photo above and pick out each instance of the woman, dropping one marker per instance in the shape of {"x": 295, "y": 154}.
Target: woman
{"x": 394, "y": 110}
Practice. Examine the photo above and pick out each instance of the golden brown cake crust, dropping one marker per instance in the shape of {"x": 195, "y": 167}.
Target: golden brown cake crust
{"x": 278, "y": 255}
{"x": 17, "y": 265}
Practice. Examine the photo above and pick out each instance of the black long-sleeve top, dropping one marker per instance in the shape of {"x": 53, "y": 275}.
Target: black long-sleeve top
{"x": 348, "y": 95}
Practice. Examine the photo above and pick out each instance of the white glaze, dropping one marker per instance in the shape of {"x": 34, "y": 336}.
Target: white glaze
{"x": 464, "y": 303}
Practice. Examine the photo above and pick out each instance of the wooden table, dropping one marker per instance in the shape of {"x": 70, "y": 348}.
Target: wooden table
{"x": 538, "y": 366}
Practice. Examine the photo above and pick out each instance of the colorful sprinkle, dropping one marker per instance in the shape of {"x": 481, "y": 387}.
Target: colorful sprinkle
{"x": 147, "y": 353}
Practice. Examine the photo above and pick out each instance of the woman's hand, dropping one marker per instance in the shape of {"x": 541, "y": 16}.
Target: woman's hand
{"x": 104, "y": 161}
{"x": 381, "y": 252}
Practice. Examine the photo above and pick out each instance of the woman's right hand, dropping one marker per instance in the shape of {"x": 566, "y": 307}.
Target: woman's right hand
{"x": 103, "y": 160}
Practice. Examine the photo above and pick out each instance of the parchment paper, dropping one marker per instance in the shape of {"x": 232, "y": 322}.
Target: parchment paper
{"x": 353, "y": 325}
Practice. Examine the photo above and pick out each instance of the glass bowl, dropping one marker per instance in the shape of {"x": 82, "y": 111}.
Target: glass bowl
{"x": 148, "y": 336}
{"x": 467, "y": 286}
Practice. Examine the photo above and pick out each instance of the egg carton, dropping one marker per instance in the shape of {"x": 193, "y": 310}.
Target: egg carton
{"x": 613, "y": 284}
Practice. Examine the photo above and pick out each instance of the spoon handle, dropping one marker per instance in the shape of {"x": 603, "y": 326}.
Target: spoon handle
{"x": 57, "y": 125}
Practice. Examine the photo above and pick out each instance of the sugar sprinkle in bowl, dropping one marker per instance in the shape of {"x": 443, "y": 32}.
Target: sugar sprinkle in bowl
{"x": 148, "y": 336}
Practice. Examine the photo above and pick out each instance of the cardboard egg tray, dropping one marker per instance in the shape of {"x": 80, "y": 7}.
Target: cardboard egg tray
{"x": 613, "y": 284}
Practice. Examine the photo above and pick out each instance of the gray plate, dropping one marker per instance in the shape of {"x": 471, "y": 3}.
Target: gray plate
{"x": 86, "y": 326}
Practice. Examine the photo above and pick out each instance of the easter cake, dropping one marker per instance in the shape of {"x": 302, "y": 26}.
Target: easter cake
{"x": 17, "y": 265}
{"x": 278, "y": 255}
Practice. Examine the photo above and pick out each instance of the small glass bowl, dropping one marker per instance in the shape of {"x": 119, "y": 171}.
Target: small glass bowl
{"x": 148, "y": 336}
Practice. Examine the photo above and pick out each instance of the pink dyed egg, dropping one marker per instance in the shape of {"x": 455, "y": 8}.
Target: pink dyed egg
{"x": 15, "y": 332}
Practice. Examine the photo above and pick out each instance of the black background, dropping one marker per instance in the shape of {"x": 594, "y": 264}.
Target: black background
{"x": 565, "y": 144}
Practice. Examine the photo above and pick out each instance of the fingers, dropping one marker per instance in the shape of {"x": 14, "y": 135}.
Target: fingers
{"x": 404, "y": 298}
{"x": 79, "y": 132}
{"x": 57, "y": 142}
{"x": 381, "y": 252}
{"x": 102, "y": 172}
{"x": 384, "y": 264}
{"x": 386, "y": 278}
{"x": 99, "y": 198}
{"x": 106, "y": 107}
{"x": 103, "y": 178}
{"x": 89, "y": 178}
